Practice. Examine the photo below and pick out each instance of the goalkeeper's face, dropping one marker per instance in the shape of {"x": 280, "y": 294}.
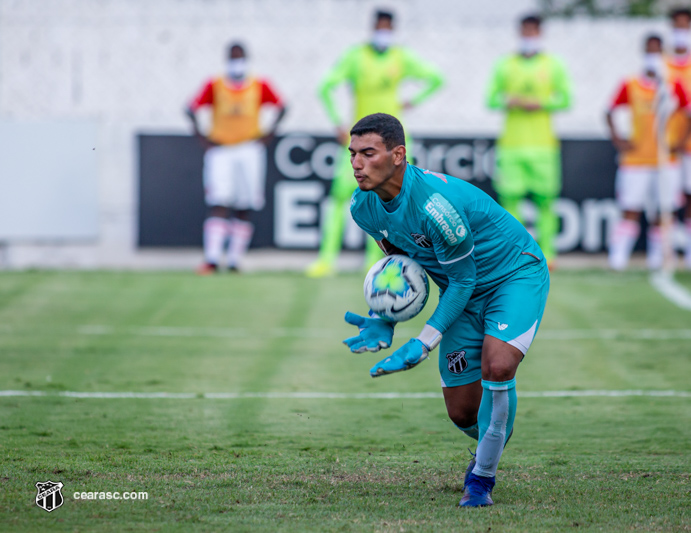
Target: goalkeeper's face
{"x": 373, "y": 164}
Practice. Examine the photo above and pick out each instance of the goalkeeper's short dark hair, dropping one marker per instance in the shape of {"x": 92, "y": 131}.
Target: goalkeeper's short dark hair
{"x": 388, "y": 127}
{"x": 680, "y": 12}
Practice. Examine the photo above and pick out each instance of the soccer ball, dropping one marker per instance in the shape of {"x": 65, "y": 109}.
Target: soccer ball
{"x": 396, "y": 288}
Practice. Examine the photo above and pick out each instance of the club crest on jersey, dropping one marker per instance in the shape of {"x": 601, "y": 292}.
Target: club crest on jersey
{"x": 446, "y": 218}
{"x": 49, "y": 496}
{"x": 421, "y": 240}
{"x": 457, "y": 362}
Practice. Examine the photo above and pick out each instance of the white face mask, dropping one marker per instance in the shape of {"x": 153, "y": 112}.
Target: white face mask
{"x": 236, "y": 69}
{"x": 382, "y": 39}
{"x": 681, "y": 38}
{"x": 530, "y": 45}
{"x": 653, "y": 64}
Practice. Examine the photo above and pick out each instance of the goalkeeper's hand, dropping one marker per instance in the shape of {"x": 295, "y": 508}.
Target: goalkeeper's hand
{"x": 375, "y": 333}
{"x": 411, "y": 354}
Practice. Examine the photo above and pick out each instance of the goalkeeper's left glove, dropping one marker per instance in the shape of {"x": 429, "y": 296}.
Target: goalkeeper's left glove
{"x": 411, "y": 354}
{"x": 375, "y": 333}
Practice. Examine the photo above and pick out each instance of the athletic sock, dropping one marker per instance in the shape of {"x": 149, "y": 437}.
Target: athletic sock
{"x": 472, "y": 431}
{"x": 241, "y": 233}
{"x": 495, "y": 421}
{"x": 215, "y": 233}
{"x": 687, "y": 250}
{"x": 623, "y": 240}
{"x": 655, "y": 254}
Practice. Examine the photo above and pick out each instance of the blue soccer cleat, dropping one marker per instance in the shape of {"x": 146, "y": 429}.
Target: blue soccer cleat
{"x": 478, "y": 492}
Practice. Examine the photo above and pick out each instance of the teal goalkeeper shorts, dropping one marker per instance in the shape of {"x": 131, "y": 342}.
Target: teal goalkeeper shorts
{"x": 512, "y": 312}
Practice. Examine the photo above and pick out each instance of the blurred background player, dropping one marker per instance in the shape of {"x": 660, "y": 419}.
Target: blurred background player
{"x": 679, "y": 67}
{"x": 639, "y": 162}
{"x": 374, "y": 72}
{"x": 529, "y": 86}
{"x": 235, "y": 158}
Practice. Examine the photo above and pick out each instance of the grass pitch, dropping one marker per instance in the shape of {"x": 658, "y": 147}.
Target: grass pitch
{"x": 326, "y": 464}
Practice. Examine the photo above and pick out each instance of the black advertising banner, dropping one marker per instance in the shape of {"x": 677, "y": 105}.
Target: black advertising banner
{"x": 299, "y": 173}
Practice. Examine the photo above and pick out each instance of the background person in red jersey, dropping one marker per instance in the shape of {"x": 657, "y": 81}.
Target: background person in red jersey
{"x": 235, "y": 158}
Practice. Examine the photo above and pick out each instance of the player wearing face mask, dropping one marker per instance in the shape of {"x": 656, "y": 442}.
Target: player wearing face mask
{"x": 235, "y": 157}
{"x": 374, "y": 71}
{"x": 679, "y": 67}
{"x": 652, "y": 99}
{"x": 529, "y": 86}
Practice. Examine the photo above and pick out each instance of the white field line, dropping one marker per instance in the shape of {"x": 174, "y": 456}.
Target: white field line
{"x": 664, "y": 283}
{"x": 338, "y": 395}
{"x": 238, "y": 333}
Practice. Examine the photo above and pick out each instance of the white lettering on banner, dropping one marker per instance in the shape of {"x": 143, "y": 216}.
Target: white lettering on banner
{"x": 353, "y": 236}
{"x": 319, "y": 159}
{"x": 324, "y": 159}
{"x": 284, "y": 160}
{"x": 595, "y": 214}
{"x": 296, "y": 214}
{"x": 570, "y": 234}
{"x": 584, "y": 224}
{"x": 468, "y": 161}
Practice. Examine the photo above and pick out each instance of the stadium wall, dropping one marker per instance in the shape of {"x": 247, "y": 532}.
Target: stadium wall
{"x": 129, "y": 67}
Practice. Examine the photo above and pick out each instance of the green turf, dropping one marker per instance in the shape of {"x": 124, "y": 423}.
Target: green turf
{"x": 605, "y": 464}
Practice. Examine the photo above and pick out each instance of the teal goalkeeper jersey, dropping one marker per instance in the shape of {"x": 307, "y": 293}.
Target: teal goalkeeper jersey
{"x": 466, "y": 242}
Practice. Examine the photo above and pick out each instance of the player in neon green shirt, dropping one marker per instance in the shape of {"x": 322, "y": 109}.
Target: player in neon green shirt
{"x": 374, "y": 72}
{"x": 530, "y": 86}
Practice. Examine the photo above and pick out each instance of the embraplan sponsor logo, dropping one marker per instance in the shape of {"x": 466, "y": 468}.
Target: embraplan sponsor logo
{"x": 446, "y": 217}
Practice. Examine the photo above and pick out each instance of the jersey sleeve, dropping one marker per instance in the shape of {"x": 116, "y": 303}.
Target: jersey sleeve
{"x": 561, "y": 97}
{"x": 269, "y": 96}
{"x": 416, "y": 68}
{"x": 621, "y": 97}
{"x": 342, "y": 72}
{"x": 453, "y": 245}
{"x": 496, "y": 97}
{"x": 204, "y": 97}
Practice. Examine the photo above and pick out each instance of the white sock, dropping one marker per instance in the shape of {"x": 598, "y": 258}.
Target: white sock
{"x": 687, "y": 250}
{"x": 623, "y": 240}
{"x": 241, "y": 233}
{"x": 215, "y": 233}
{"x": 655, "y": 257}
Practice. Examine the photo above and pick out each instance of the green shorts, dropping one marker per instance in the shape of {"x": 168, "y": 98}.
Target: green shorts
{"x": 528, "y": 170}
{"x": 512, "y": 313}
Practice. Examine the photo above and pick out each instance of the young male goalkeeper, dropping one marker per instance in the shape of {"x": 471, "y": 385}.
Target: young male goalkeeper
{"x": 375, "y": 72}
{"x": 493, "y": 279}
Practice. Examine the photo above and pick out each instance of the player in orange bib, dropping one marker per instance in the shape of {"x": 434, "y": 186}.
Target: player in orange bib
{"x": 235, "y": 158}
{"x": 679, "y": 67}
{"x": 639, "y": 164}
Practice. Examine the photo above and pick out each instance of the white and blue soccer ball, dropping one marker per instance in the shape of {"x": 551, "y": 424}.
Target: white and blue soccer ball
{"x": 396, "y": 288}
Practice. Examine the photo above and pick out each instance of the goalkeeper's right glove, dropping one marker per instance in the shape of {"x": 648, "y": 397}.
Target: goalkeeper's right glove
{"x": 375, "y": 333}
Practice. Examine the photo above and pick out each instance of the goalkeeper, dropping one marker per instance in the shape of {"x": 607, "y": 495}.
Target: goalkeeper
{"x": 530, "y": 86}
{"x": 374, "y": 72}
{"x": 493, "y": 278}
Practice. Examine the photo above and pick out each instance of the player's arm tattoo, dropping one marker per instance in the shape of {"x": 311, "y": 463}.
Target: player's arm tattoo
{"x": 390, "y": 249}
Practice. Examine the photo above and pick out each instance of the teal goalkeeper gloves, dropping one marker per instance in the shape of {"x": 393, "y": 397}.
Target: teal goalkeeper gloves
{"x": 406, "y": 357}
{"x": 375, "y": 333}
{"x": 411, "y": 354}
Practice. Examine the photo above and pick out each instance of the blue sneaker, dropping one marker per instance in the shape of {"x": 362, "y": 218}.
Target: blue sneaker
{"x": 478, "y": 491}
